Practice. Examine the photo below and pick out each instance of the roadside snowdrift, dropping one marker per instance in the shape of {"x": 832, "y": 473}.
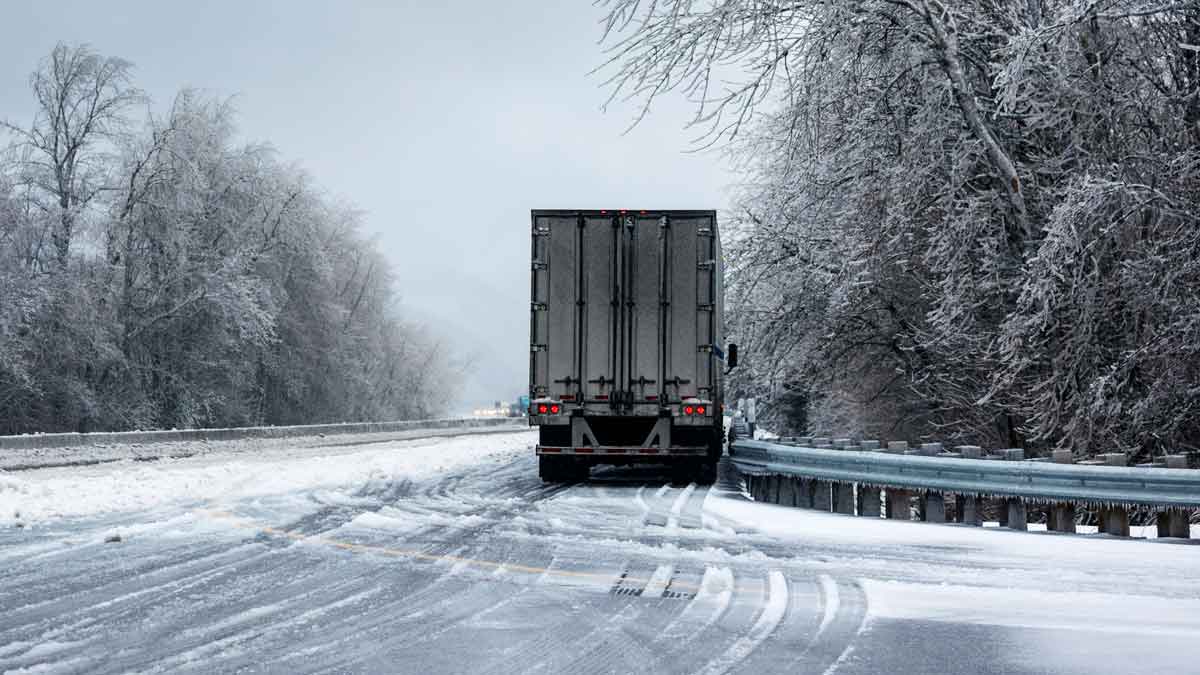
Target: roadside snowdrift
{"x": 32, "y": 496}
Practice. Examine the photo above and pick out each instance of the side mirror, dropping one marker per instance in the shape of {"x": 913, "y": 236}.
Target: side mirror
{"x": 731, "y": 359}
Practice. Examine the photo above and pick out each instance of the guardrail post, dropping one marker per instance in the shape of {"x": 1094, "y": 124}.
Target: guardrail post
{"x": 935, "y": 507}
{"x": 785, "y": 495}
{"x": 968, "y": 510}
{"x": 868, "y": 501}
{"x": 1060, "y": 516}
{"x": 809, "y": 490}
{"x": 822, "y": 495}
{"x": 931, "y": 449}
{"x": 1016, "y": 516}
{"x": 869, "y": 498}
{"x": 898, "y": 504}
{"x": 969, "y": 451}
{"x": 844, "y": 498}
{"x": 1114, "y": 519}
{"x": 1175, "y": 522}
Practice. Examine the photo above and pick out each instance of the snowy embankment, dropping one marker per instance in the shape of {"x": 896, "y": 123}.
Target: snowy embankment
{"x": 224, "y": 471}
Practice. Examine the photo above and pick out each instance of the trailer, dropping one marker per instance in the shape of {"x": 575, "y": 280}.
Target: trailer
{"x": 625, "y": 355}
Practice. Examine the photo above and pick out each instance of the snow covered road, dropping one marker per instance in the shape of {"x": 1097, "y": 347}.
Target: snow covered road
{"x": 449, "y": 555}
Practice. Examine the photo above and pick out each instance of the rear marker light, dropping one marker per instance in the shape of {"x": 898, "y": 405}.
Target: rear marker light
{"x": 554, "y": 409}
{"x": 543, "y": 408}
{"x": 688, "y": 410}
{"x": 700, "y": 410}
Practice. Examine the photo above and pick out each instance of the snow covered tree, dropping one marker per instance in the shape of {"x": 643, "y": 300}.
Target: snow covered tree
{"x": 218, "y": 286}
{"x": 962, "y": 219}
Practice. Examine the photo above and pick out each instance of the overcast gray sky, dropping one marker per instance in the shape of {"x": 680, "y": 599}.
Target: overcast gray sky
{"x": 445, "y": 122}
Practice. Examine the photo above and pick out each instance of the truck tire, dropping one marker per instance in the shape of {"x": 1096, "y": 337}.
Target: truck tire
{"x": 682, "y": 473}
{"x": 550, "y": 469}
{"x": 562, "y": 470}
{"x": 700, "y": 472}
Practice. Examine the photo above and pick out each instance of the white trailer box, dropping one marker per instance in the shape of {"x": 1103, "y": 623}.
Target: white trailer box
{"x": 625, "y": 357}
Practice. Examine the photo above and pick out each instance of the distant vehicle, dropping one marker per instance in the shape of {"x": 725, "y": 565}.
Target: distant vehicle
{"x": 625, "y": 360}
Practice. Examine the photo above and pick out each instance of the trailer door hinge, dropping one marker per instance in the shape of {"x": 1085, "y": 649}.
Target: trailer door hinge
{"x": 707, "y": 307}
{"x": 706, "y": 265}
{"x": 537, "y": 348}
{"x": 539, "y": 306}
{"x": 704, "y": 231}
{"x": 539, "y": 265}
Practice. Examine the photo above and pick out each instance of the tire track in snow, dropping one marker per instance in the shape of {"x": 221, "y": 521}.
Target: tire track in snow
{"x": 677, "y": 507}
{"x": 772, "y": 613}
{"x": 843, "y": 619}
{"x": 704, "y": 609}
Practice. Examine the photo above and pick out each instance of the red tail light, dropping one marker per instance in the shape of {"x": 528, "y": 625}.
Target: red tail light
{"x": 689, "y": 410}
{"x": 554, "y": 409}
{"x": 700, "y": 410}
{"x": 542, "y": 408}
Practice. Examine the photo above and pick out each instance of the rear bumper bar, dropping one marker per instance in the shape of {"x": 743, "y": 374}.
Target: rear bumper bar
{"x": 623, "y": 450}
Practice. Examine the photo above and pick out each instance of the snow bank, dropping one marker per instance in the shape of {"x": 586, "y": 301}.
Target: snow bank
{"x": 938, "y": 553}
{"x": 1017, "y": 607}
{"x": 33, "y": 496}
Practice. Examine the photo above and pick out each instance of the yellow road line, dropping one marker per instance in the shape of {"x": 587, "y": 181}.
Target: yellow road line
{"x": 414, "y": 554}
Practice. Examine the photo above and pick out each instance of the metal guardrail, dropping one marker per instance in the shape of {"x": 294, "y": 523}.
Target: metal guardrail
{"x": 70, "y": 440}
{"x": 1028, "y": 480}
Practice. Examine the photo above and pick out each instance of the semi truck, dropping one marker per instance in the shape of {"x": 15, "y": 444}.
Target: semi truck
{"x": 625, "y": 351}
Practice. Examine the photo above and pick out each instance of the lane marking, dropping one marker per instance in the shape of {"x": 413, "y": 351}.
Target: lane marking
{"x": 415, "y": 554}
{"x": 658, "y": 581}
{"x": 772, "y": 614}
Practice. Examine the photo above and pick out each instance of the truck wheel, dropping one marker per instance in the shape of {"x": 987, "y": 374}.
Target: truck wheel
{"x": 550, "y": 469}
{"x": 562, "y": 470}
{"x": 706, "y": 473}
{"x": 682, "y": 473}
{"x": 580, "y": 472}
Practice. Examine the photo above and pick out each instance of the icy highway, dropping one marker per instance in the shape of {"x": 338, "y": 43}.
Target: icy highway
{"x": 449, "y": 555}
